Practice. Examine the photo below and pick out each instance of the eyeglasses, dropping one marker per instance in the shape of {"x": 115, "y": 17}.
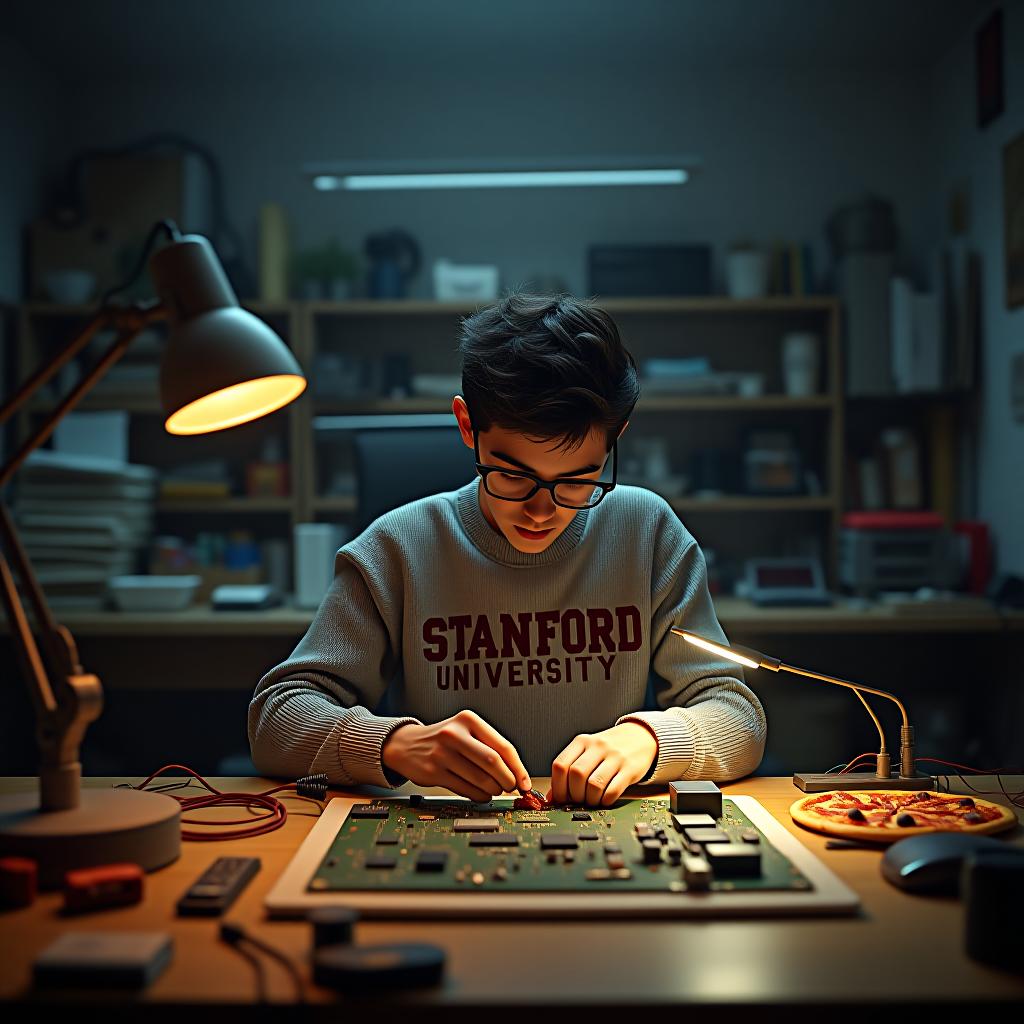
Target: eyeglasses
{"x": 568, "y": 492}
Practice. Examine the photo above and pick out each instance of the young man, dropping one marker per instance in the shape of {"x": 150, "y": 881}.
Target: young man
{"x": 515, "y": 621}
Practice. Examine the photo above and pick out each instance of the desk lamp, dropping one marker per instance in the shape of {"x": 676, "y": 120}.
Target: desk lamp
{"x": 222, "y": 366}
{"x": 820, "y": 783}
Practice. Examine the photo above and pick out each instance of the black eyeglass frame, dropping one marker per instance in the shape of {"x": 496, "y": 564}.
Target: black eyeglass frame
{"x": 548, "y": 485}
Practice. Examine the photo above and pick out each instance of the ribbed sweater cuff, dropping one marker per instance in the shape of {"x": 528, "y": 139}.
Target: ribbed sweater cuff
{"x": 675, "y": 744}
{"x": 360, "y": 744}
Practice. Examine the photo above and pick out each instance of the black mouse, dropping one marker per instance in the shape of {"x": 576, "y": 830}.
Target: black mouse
{"x": 931, "y": 863}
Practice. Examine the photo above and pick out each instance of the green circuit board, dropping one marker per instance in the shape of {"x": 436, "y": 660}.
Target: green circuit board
{"x": 636, "y": 846}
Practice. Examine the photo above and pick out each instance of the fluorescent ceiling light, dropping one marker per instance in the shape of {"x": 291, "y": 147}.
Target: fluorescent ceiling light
{"x": 498, "y": 179}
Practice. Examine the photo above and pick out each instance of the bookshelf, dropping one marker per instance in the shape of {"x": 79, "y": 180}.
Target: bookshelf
{"x": 419, "y": 339}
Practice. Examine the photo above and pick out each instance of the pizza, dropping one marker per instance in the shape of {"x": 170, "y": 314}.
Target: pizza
{"x": 883, "y": 815}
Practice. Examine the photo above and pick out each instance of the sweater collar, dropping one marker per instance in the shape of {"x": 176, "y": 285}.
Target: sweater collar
{"x": 495, "y": 545}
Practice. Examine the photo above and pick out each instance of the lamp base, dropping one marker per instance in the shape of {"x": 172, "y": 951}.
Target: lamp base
{"x": 108, "y": 826}
{"x": 821, "y": 783}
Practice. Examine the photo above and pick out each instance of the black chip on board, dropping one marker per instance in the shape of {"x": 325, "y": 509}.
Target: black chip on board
{"x": 432, "y": 860}
{"x": 558, "y": 841}
{"x": 494, "y": 839}
{"x": 584, "y": 837}
{"x": 381, "y": 860}
{"x": 387, "y": 840}
{"x": 368, "y": 811}
{"x": 582, "y": 816}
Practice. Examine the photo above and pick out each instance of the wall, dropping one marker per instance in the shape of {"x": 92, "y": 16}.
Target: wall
{"x": 31, "y": 118}
{"x": 964, "y": 153}
{"x": 780, "y": 149}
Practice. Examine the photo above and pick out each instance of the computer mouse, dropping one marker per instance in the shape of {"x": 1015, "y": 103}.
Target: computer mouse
{"x": 931, "y": 863}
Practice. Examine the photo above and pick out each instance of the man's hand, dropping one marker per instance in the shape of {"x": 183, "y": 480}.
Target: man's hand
{"x": 596, "y": 769}
{"x": 462, "y": 753}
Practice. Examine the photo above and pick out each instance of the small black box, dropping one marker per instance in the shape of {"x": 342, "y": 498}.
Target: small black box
{"x": 695, "y": 798}
{"x": 649, "y": 270}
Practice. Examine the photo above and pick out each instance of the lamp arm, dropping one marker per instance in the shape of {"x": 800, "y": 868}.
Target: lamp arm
{"x": 47, "y": 370}
{"x": 131, "y": 322}
{"x": 66, "y": 699}
{"x": 783, "y": 667}
{"x": 907, "y": 768}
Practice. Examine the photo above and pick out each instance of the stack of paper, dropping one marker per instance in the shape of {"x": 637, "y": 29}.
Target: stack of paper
{"x": 82, "y": 519}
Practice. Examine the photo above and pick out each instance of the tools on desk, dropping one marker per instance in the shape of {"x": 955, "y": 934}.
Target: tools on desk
{"x": 338, "y": 962}
{"x": 218, "y": 886}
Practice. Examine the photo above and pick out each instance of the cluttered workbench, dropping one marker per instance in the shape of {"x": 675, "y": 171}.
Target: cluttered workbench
{"x": 892, "y": 948}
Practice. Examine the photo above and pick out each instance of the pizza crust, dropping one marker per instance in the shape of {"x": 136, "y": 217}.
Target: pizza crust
{"x": 881, "y": 828}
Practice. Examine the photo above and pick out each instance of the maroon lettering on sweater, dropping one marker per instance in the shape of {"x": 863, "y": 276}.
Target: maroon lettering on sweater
{"x": 528, "y": 635}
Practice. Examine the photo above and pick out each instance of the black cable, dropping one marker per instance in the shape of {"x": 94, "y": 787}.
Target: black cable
{"x": 256, "y": 964}
{"x": 220, "y": 228}
{"x": 173, "y": 234}
{"x": 234, "y": 934}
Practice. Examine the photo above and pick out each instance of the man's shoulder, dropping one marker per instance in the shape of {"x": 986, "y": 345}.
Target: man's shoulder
{"x": 408, "y": 527}
{"x": 629, "y": 504}
{"x": 638, "y": 516}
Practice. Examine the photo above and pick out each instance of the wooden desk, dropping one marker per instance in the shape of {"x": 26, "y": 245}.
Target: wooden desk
{"x": 900, "y": 949}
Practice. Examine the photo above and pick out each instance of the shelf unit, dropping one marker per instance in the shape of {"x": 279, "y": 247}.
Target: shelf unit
{"x": 735, "y": 335}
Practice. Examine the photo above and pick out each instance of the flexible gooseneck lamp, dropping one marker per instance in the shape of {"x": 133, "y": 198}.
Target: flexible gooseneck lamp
{"x": 221, "y": 367}
{"x": 883, "y": 778}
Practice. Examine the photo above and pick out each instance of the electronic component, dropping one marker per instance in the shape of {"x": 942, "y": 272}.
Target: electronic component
{"x": 103, "y": 960}
{"x": 630, "y": 851}
{"x": 432, "y": 860}
{"x": 651, "y": 851}
{"x": 684, "y": 821}
{"x": 786, "y": 581}
{"x": 731, "y": 860}
{"x": 582, "y": 816}
{"x": 361, "y": 968}
{"x": 704, "y": 836}
{"x": 695, "y": 798}
{"x": 389, "y": 839}
{"x": 368, "y": 811}
{"x": 558, "y": 841}
{"x": 475, "y": 825}
{"x": 218, "y": 886}
{"x": 494, "y": 839}
{"x": 107, "y": 885}
{"x": 696, "y": 872}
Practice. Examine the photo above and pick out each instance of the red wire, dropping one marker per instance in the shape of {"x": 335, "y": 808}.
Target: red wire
{"x": 277, "y": 812}
{"x": 855, "y": 761}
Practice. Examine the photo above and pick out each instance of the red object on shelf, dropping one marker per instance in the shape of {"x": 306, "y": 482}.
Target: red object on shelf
{"x": 109, "y": 885}
{"x": 18, "y": 882}
{"x": 979, "y": 556}
{"x": 893, "y": 519}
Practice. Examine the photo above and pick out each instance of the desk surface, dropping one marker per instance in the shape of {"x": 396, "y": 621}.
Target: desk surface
{"x": 900, "y": 948}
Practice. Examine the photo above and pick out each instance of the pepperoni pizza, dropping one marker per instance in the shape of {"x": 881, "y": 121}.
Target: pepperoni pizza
{"x": 883, "y": 816}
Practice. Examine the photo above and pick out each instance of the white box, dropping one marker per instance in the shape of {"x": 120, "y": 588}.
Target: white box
{"x": 316, "y": 544}
{"x": 454, "y": 282}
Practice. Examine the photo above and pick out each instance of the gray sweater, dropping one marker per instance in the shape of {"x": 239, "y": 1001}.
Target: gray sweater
{"x": 434, "y": 606}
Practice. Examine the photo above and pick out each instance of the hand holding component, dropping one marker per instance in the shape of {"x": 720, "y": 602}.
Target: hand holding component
{"x": 462, "y": 753}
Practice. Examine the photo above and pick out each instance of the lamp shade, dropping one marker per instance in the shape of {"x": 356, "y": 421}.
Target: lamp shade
{"x": 222, "y": 366}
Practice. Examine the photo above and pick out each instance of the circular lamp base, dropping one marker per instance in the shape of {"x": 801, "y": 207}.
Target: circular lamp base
{"x": 108, "y": 826}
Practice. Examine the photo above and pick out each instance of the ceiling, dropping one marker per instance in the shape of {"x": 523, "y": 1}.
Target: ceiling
{"x": 111, "y": 38}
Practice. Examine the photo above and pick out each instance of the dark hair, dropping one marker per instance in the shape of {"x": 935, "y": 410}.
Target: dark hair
{"x": 547, "y": 366}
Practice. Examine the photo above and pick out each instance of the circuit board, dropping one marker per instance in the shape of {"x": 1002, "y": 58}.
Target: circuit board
{"x": 434, "y": 844}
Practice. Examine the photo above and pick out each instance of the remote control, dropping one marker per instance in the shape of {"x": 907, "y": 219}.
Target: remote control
{"x": 218, "y": 886}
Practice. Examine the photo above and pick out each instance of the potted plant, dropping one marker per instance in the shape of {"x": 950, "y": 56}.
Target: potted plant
{"x": 325, "y": 271}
